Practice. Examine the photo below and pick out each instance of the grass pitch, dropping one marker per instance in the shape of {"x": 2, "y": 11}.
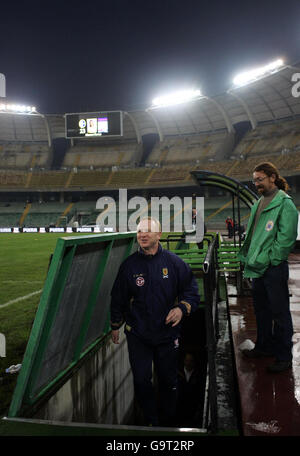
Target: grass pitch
{"x": 24, "y": 260}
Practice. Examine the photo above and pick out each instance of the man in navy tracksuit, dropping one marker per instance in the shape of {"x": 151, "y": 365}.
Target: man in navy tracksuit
{"x": 153, "y": 291}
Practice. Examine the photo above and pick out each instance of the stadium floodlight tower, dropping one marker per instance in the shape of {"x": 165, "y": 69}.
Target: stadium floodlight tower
{"x": 171, "y": 99}
{"x": 174, "y": 98}
{"x": 180, "y": 97}
{"x": 18, "y": 109}
{"x": 258, "y": 73}
{"x": 248, "y": 77}
{"x": 22, "y": 109}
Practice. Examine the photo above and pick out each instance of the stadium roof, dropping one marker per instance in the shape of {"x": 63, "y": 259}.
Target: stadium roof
{"x": 265, "y": 100}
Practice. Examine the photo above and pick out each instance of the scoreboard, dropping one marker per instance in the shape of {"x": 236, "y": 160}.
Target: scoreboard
{"x": 91, "y": 124}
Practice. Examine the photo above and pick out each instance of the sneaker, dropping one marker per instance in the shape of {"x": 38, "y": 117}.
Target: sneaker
{"x": 279, "y": 366}
{"x": 256, "y": 353}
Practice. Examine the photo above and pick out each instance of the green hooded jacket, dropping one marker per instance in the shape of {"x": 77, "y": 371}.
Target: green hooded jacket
{"x": 274, "y": 236}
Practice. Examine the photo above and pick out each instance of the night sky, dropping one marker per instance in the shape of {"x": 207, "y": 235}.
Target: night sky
{"x": 70, "y": 56}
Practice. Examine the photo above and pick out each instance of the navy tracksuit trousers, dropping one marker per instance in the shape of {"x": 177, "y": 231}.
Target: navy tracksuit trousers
{"x": 272, "y": 311}
{"x": 164, "y": 357}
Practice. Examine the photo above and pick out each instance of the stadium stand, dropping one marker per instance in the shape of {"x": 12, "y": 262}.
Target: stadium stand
{"x": 47, "y": 179}
{"x": 24, "y": 156}
{"x": 49, "y": 214}
{"x": 18, "y": 127}
{"x": 101, "y": 156}
{"x": 24, "y": 142}
{"x": 188, "y": 149}
{"x": 12, "y": 179}
{"x": 10, "y": 213}
{"x": 158, "y": 150}
{"x": 275, "y": 138}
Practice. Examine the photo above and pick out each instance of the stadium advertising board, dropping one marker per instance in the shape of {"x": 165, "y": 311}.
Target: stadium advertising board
{"x": 49, "y": 230}
{"x": 67, "y": 229}
{"x": 94, "y": 124}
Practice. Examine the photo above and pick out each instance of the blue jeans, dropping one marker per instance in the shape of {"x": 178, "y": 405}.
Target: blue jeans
{"x": 272, "y": 310}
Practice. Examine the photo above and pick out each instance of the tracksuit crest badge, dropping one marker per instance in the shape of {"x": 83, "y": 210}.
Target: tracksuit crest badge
{"x": 269, "y": 225}
{"x": 165, "y": 273}
{"x": 140, "y": 281}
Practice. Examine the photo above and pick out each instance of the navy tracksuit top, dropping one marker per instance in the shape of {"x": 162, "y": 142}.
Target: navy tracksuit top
{"x": 146, "y": 288}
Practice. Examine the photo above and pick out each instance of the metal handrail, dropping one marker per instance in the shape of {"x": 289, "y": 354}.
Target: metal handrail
{"x": 209, "y": 256}
{"x": 210, "y": 278}
{"x": 209, "y": 266}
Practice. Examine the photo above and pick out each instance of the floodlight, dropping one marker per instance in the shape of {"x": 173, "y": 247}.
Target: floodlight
{"x": 252, "y": 75}
{"x": 182, "y": 96}
{"x": 17, "y": 108}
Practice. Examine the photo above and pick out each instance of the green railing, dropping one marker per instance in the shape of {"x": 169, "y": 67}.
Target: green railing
{"x": 208, "y": 263}
{"x": 227, "y": 257}
{"x": 73, "y": 314}
{"x": 203, "y": 262}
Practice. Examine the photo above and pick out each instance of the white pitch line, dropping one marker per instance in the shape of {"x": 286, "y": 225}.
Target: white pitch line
{"x": 13, "y": 301}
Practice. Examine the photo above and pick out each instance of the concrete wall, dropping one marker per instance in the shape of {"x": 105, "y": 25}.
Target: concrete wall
{"x": 101, "y": 391}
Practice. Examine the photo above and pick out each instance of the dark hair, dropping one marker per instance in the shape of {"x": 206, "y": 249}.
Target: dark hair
{"x": 268, "y": 168}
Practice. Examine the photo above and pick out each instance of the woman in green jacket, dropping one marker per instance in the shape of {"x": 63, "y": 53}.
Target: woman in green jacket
{"x": 271, "y": 235}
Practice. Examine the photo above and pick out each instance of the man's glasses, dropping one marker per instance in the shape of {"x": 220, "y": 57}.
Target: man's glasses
{"x": 258, "y": 179}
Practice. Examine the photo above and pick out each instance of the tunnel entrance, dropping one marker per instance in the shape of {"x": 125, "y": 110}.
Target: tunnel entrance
{"x": 73, "y": 373}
